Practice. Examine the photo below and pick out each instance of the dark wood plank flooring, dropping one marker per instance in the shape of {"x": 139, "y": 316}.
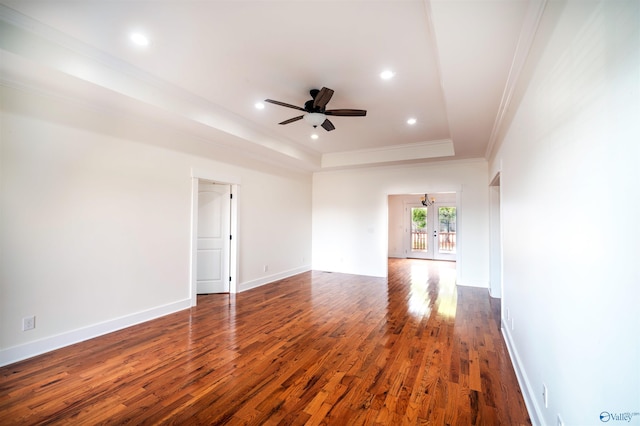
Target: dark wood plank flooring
{"x": 317, "y": 348}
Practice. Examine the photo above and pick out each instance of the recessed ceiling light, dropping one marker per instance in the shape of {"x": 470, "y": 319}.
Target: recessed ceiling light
{"x": 259, "y": 105}
{"x": 387, "y": 74}
{"x": 139, "y": 39}
{"x": 314, "y": 136}
{"x": 411, "y": 121}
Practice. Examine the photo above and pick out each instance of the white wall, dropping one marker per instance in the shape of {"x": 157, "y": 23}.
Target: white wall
{"x": 350, "y": 215}
{"x": 95, "y": 221}
{"x": 570, "y": 209}
{"x": 396, "y": 224}
{"x": 275, "y": 227}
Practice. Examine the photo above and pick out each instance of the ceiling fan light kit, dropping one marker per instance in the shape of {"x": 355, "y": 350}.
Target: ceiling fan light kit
{"x": 316, "y": 114}
{"x": 315, "y": 118}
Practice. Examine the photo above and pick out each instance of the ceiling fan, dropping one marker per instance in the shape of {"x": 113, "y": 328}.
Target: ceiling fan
{"x": 316, "y": 112}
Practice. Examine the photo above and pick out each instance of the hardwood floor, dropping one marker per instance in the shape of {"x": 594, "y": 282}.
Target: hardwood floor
{"x": 317, "y": 348}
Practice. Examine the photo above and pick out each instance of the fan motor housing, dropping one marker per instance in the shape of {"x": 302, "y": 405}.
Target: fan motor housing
{"x": 309, "y": 106}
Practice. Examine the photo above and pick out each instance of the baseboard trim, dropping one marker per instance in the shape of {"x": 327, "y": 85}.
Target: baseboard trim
{"x": 535, "y": 414}
{"x": 47, "y": 344}
{"x": 477, "y": 284}
{"x": 271, "y": 278}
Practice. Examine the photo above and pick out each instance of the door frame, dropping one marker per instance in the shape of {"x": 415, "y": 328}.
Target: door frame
{"x": 234, "y": 182}
{"x": 495, "y": 239}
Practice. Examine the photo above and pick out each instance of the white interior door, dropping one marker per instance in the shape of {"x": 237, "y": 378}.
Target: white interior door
{"x": 214, "y": 230}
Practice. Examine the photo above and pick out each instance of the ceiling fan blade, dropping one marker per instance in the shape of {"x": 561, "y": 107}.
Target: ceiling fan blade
{"x": 346, "y": 112}
{"x": 291, "y": 120}
{"x": 271, "y": 101}
{"x": 322, "y": 98}
{"x": 327, "y": 125}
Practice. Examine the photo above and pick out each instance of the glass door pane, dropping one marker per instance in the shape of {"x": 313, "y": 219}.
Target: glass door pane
{"x": 447, "y": 230}
{"x": 420, "y": 244}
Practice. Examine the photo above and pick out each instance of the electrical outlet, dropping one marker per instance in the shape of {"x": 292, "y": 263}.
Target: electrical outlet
{"x": 28, "y": 323}
{"x": 560, "y": 422}
{"x": 545, "y": 396}
{"x": 266, "y": 268}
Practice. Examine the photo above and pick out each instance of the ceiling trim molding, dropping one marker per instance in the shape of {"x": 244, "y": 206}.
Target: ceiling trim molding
{"x": 51, "y": 49}
{"x": 408, "y": 166}
{"x": 525, "y": 42}
{"x": 434, "y": 45}
{"x": 36, "y": 28}
{"x": 387, "y": 154}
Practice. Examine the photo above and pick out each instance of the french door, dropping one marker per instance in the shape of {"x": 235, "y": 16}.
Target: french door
{"x": 432, "y": 231}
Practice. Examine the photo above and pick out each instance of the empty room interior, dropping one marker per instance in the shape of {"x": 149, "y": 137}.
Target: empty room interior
{"x": 320, "y": 212}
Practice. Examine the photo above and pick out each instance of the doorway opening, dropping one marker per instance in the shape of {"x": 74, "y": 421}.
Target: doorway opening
{"x": 423, "y": 231}
{"x": 433, "y": 232}
{"x": 214, "y": 227}
{"x": 432, "y": 228}
{"x": 495, "y": 248}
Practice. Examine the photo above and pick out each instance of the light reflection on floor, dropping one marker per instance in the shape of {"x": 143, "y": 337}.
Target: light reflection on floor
{"x": 433, "y": 286}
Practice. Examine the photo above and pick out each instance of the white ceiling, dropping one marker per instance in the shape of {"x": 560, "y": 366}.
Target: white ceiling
{"x": 209, "y": 62}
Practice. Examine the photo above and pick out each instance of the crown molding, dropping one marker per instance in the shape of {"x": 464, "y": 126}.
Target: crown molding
{"x": 523, "y": 47}
{"x": 387, "y": 154}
